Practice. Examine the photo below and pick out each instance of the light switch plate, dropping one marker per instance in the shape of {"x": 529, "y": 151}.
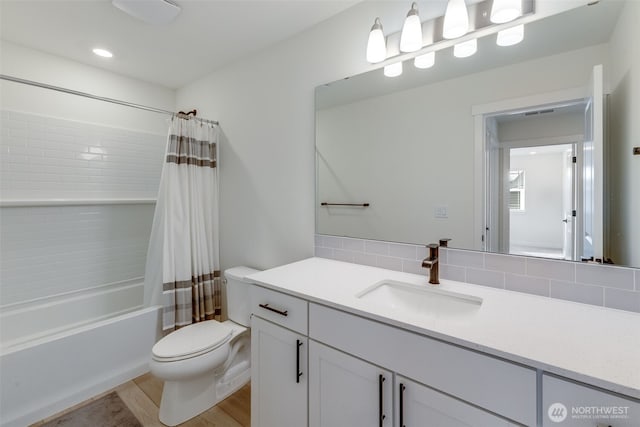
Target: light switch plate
{"x": 441, "y": 212}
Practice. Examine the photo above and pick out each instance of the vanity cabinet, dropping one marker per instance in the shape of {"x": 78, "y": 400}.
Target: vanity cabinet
{"x": 346, "y": 391}
{"x": 279, "y": 354}
{"x": 420, "y": 406}
{"x": 570, "y": 404}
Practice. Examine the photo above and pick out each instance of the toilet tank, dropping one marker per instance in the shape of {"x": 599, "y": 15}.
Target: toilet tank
{"x": 238, "y": 304}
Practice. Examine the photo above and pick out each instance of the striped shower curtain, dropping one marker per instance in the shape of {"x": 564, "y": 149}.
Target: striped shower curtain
{"x": 183, "y": 269}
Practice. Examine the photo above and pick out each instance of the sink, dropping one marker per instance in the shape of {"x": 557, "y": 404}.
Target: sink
{"x": 425, "y": 299}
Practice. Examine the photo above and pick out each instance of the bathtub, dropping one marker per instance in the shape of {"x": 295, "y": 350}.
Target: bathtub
{"x": 62, "y": 350}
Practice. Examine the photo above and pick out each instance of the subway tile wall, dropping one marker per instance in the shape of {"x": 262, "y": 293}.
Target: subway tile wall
{"x": 44, "y": 157}
{"x": 52, "y": 250}
{"x": 602, "y": 285}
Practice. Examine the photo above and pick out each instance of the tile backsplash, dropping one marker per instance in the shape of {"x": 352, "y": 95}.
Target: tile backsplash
{"x": 602, "y": 285}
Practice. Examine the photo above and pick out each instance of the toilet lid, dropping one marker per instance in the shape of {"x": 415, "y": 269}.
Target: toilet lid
{"x": 192, "y": 340}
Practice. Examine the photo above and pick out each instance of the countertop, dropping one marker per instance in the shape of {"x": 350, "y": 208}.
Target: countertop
{"x": 596, "y": 345}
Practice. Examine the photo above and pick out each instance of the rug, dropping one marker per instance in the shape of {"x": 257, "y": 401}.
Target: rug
{"x": 108, "y": 411}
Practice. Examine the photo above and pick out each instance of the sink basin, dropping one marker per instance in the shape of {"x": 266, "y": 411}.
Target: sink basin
{"x": 419, "y": 299}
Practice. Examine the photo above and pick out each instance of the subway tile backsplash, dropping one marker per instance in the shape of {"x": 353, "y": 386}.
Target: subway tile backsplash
{"x": 601, "y": 285}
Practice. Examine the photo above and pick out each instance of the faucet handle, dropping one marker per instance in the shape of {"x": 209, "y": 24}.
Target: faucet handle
{"x": 432, "y": 245}
{"x": 444, "y": 242}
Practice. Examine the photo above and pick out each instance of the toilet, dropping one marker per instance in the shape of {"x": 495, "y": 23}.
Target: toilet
{"x": 203, "y": 363}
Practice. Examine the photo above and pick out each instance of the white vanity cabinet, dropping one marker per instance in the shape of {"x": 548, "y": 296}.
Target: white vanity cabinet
{"x": 347, "y": 392}
{"x": 420, "y": 406}
{"x": 279, "y": 355}
{"x": 569, "y": 404}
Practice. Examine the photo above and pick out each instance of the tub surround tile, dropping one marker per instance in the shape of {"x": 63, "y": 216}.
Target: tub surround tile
{"x": 605, "y": 275}
{"x": 550, "y": 269}
{"x": 577, "y": 282}
{"x": 465, "y": 258}
{"x": 506, "y": 263}
{"x": 576, "y": 292}
{"x": 621, "y": 299}
{"x": 494, "y": 279}
{"x": 527, "y": 284}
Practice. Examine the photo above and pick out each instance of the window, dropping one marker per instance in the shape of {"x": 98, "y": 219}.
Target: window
{"x": 516, "y": 190}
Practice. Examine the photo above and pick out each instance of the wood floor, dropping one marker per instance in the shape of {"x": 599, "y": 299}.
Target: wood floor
{"x": 142, "y": 397}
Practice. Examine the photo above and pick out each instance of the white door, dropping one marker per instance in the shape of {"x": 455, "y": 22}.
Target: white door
{"x": 347, "y": 392}
{"x": 590, "y": 225}
{"x": 278, "y": 376}
{"x": 420, "y": 406}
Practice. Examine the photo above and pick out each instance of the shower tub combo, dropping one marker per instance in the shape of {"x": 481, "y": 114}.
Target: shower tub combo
{"x": 62, "y": 350}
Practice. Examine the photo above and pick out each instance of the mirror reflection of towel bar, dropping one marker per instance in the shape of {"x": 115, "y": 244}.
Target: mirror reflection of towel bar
{"x": 363, "y": 205}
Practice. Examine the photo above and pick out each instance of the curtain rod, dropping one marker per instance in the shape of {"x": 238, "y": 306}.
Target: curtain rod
{"x": 99, "y": 98}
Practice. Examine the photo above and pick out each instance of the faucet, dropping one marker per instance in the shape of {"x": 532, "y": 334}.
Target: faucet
{"x": 431, "y": 262}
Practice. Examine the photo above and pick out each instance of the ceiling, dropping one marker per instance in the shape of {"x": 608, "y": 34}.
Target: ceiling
{"x": 206, "y": 35}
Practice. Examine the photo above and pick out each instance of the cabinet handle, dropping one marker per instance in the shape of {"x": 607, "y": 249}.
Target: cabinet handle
{"x": 275, "y": 310}
{"x": 381, "y": 415}
{"x": 298, "y": 373}
{"x": 402, "y": 389}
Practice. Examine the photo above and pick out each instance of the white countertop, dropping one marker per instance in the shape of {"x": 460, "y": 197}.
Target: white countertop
{"x": 595, "y": 345}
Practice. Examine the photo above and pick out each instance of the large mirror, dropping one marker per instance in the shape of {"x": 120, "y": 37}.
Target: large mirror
{"x": 495, "y": 151}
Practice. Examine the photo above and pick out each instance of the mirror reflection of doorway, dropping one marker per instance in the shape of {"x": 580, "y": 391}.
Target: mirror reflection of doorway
{"x": 541, "y": 197}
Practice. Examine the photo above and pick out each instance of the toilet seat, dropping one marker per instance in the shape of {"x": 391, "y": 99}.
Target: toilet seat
{"x": 191, "y": 341}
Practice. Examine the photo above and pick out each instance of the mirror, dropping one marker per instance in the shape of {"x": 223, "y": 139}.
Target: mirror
{"x": 405, "y": 151}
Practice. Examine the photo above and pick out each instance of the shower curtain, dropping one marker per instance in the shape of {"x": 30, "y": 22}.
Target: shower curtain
{"x": 183, "y": 270}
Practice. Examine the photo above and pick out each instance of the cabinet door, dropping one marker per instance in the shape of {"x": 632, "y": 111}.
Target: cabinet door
{"x": 420, "y": 406}
{"x": 568, "y": 404}
{"x": 347, "y": 392}
{"x": 278, "y": 376}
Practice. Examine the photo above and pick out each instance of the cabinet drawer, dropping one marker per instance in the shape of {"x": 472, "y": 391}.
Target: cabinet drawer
{"x": 568, "y": 404}
{"x": 491, "y": 383}
{"x": 279, "y": 308}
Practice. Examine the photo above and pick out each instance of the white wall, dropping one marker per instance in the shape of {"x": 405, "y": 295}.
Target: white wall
{"x": 622, "y": 190}
{"x": 61, "y": 146}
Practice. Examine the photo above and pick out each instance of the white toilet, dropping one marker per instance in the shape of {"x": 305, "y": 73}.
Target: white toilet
{"x": 203, "y": 363}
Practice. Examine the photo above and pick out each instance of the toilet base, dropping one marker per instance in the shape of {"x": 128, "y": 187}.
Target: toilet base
{"x": 183, "y": 400}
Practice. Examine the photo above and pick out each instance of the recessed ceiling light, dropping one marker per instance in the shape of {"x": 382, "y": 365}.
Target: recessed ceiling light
{"x": 102, "y": 52}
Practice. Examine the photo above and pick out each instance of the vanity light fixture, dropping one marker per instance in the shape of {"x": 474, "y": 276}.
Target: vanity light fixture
{"x": 411, "y": 36}
{"x": 393, "y": 70}
{"x": 456, "y": 20}
{"x": 376, "y": 45}
{"x": 102, "y": 52}
{"x": 510, "y": 36}
{"x": 465, "y": 49}
{"x": 425, "y": 61}
{"x": 505, "y": 10}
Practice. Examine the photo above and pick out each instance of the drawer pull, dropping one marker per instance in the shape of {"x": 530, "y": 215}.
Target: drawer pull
{"x": 381, "y": 415}
{"x": 275, "y": 310}
{"x": 298, "y": 373}
{"x": 402, "y": 389}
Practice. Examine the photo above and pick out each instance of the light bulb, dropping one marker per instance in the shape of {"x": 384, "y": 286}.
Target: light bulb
{"x": 425, "y": 61}
{"x": 376, "y": 45}
{"x": 465, "y": 49}
{"x": 505, "y": 10}
{"x": 393, "y": 70}
{"x": 510, "y": 36}
{"x": 411, "y": 36}
{"x": 456, "y": 20}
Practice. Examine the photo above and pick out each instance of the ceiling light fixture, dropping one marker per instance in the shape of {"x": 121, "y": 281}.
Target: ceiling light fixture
{"x": 411, "y": 36}
{"x": 376, "y": 45}
{"x": 425, "y": 61}
{"x": 456, "y": 20}
{"x": 510, "y": 36}
{"x": 465, "y": 49}
{"x": 155, "y": 12}
{"x": 505, "y": 10}
{"x": 393, "y": 70}
{"x": 102, "y": 52}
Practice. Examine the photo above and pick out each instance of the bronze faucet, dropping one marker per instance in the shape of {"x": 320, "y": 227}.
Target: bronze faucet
{"x": 431, "y": 262}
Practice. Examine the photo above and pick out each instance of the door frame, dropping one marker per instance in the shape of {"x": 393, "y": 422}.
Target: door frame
{"x": 480, "y": 114}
